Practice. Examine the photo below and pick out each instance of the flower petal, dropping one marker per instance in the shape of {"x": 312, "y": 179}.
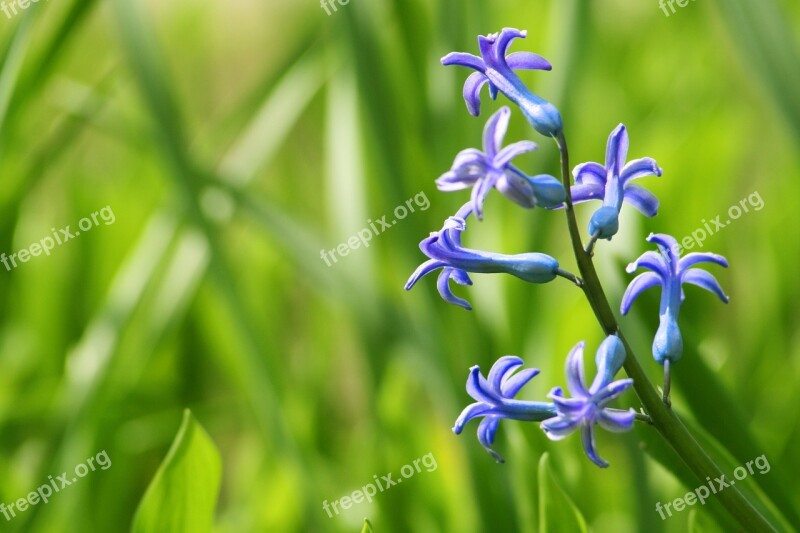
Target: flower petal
{"x": 616, "y": 420}
{"x": 527, "y": 61}
{"x": 669, "y": 248}
{"x": 575, "y": 379}
{"x": 517, "y": 188}
{"x": 479, "y": 388}
{"x": 443, "y": 285}
{"x": 495, "y": 131}
{"x": 512, "y": 384}
{"x": 559, "y": 427}
{"x": 511, "y": 151}
{"x": 689, "y": 260}
{"x": 425, "y": 268}
{"x": 705, "y": 280}
{"x": 590, "y": 173}
{"x": 639, "y": 168}
{"x": 463, "y": 59}
{"x": 642, "y": 199}
{"x": 617, "y": 150}
{"x": 637, "y": 286}
{"x": 471, "y": 411}
{"x": 504, "y": 41}
{"x": 500, "y": 369}
{"x": 487, "y": 430}
{"x": 587, "y": 439}
{"x": 653, "y": 261}
{"x": 612, "y": 391}
{"x": 472, "y": 92}
{"x": 584, "y": 192}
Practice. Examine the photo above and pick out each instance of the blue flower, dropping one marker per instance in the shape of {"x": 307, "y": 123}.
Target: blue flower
{"x": 497, "y": 69}
{"x": 494, "y": 400}
{"x": 670, "y": 272}
{"x": 446, "y": 252}
{"x": 612, "y": 184}
{"x": 587, "y": 407}
{"x": 493, "y": 168}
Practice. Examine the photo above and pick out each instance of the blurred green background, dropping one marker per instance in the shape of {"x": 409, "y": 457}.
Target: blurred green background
{"x": 235, "y": 140}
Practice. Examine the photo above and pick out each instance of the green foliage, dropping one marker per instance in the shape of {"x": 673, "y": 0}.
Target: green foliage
{"x": 183, "y": 494}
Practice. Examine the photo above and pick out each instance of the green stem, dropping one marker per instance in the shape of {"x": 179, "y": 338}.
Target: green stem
{"x": 663, "y": 418}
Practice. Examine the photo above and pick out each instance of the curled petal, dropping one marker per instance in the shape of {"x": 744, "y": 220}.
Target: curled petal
{"x": 575, "y": 379}
{"x": 487, "y": 430}
{"x": 590, "y": 173}
{"x": 512, "y": 384}
{"x": 424, "y": 269}
{"x": 639, "y": 168}
{"x": 559, "y": 427}
{"x": 642, "y": 199}
{"x": 569, "y": 407}
{"x": 511, "y": 151}
{"x": 689, "y": 260}
{"x": 443, "y": 285}
{"x": 472, "y": 92}
{"x": 471, "y": 411}
{"x": 527, "y": 61}
{"x": 479, "y": 388}
{"x": 504, "y": 41}
{"x": 617, "y": 150}
{"x": 464, "y": 60}
{"x": 668, "y": 246}
{"x": 587, "y": 439}
{"x": 705, "y": 280}
{"x": 583, "y": 192}
{"x": 612, "y": 391}
{"x": 495, "y": 131}
{"x": 640, "y": 283}
{"x": 616, "y": 420}
{"x": 504, "y": 366}
{"x": 481, "y": 190}
{"x": 653, "y": 261}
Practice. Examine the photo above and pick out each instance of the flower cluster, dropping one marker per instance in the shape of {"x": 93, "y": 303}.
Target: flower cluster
{"x": 491, "y": 168}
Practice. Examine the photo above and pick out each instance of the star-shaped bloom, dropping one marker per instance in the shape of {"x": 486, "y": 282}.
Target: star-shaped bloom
{"x": 588, "y": 407}
{"x": 497, "y": 70}
{"x": 446, "y": 252}
{"x": 493, "y": 168}
{"x": 494, "y": 397}
{"x": 670, "y": 271}
{"x": 612, "y": 184}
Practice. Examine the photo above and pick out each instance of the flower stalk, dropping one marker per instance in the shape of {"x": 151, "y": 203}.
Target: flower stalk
{"x": 662, "y": 416}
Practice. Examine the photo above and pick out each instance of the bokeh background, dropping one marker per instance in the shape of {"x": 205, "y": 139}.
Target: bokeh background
{"x": 235, "y": 140}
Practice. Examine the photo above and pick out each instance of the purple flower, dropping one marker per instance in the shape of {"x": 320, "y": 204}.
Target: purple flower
{"x": 670, "y": 272}
{"x": 497, "y": 69}
{"x": 587, "y": 407}
{"x": 493, "y": 168}
{"x": 494, "y": 400}
{"x": 612, "y": 184}
{"x": 446, "y": 252}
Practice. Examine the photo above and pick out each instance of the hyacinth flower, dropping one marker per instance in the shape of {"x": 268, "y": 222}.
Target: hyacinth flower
{"x": 669, "y": 271}
{"x": 612, "y": 184}
{"x": 497, "y": 70}
{"x": 588, "y": 407}
{"x": 446, "y": 252}
{"x": 492, "y": 168}
{"x": 495, "y": 401}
